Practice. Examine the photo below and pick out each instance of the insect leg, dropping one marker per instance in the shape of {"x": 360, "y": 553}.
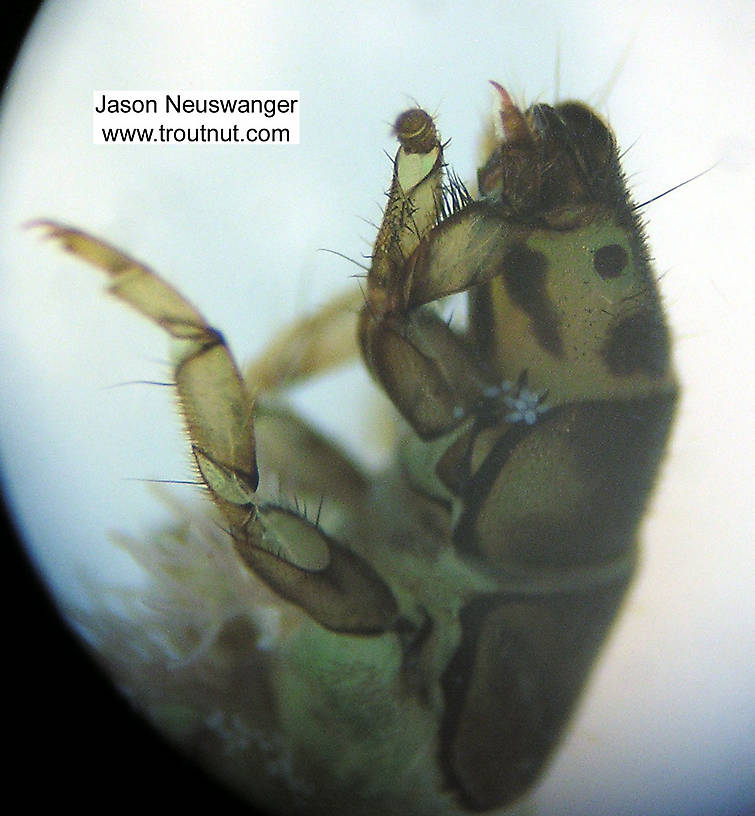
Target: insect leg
{"x": 316, "y": 343}
{"x": 216, "y": 407}
{"x": 290, "y": 553}
{"x": 427, "y": 248}
{"x": 304, "y": 464}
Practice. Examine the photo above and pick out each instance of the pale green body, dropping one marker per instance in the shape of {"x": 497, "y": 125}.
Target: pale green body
{"x": 417, "y": 645}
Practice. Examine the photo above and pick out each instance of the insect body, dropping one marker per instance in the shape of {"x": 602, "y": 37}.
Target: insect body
{"x": 447, "y": 613}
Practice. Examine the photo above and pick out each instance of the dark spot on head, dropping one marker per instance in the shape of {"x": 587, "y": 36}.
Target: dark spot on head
{"x": 637, "y": 343}
{"x": 610, "y": 261}
{"x": 525, "y": 274}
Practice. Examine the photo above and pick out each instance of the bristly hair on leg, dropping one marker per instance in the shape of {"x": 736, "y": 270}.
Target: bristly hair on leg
{"x": 455, "y": 196}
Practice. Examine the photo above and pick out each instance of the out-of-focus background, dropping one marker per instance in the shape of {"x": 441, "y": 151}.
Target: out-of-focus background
{"x": 668, "y": 723}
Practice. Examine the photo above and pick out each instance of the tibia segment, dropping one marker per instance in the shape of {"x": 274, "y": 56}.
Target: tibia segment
{"x": 216, "y": 407}
{"x": 415, "y": 201}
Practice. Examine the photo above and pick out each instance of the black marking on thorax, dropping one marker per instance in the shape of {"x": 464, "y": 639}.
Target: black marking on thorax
{"x": 610, "y": 261}
{"x": 638, "y": 343}
{"x": 525, "y": 274}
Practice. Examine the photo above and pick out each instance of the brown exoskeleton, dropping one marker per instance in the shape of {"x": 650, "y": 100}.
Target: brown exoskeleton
{"x": 446, "y": 614}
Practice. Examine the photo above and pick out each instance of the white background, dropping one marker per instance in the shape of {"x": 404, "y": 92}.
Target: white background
{"x": 667, "y": 726}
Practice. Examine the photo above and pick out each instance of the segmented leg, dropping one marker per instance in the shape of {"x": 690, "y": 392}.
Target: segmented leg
{"x": 290, "y": 553}
{"x": 422, "y": 253}
{"x": 303, "y": 462}
{"x": 318, "y": 342}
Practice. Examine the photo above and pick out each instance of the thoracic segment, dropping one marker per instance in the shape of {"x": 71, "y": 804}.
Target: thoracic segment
{"x": 560, "y": 289}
